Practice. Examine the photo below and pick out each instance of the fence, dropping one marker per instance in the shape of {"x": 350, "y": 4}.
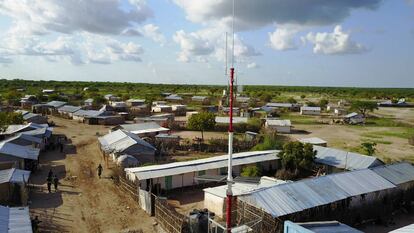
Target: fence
{"x": 169, "y": 219}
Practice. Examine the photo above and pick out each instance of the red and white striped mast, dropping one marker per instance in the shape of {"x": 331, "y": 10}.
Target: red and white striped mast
{"x": 229, "y": 192}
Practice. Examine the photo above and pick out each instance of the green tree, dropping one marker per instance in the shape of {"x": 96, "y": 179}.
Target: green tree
{"x": 98, "y": 100}
{"x": 369, "y": 148}
{"x": 254, "y": 124}
{"x": 323, "y": 103}
{"x": 364, "y": 106}
{"x": 291, "y": 100}
{"x": 8, "y": 118}
{"x": 250, "y": 171}
{"x": 303, "y": 96}
{"x": 202, "y": 121}
{"x": 296, "y": 155}
{"x": 266, "y": 97}
{"x": 270, "y": 142}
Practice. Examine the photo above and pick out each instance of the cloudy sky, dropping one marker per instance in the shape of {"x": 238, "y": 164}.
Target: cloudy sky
{"x": 281, "y": 42}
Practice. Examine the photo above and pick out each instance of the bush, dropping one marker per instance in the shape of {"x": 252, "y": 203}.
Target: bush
{"x": 270, "y": 142}
{"x": 250, "y": 171}
{"x": 284, "y": 174}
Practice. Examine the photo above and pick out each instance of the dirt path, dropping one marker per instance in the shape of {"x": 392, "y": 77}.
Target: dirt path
{"x": 83, "y": 203}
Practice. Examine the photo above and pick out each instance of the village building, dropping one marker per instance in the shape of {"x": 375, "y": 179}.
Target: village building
{"x": 314, "y": 141}
{"x": 135, "y": 102}
{"x": 28, "y": 140}
{"x": 28, "y": 101}
{"x": 306, "y": 110}
{"x": 111, "y": 97}
{"x": 13, "y": 187}
{"x": 226, "y": 120}
{"x": 226, "y": 111}
{"x": 126, "y": 161}
{"x": 318, "y": 227}
{"x": 122, "y": 142}
{"x": 104, "y": 120}
{"x": 201, "y": 99}
{"x": 281, "y": 126}
{"x": 15, "y": 220}
{"x": 34, "y": 118}
{"x": 67, "y": 111}
{"x": 88, "y": 102}
{"x": 189, "y": 114}
{"x": 179, "y": 109}
{"x": 174, "y": 98}
{"x": 164, "y": 120}
{"x": 339, "y": 111}
{"x": 335, "y": 160}
{"x": 147, "y": 129}
{"x": 242, "y": 99}
{"x": 161, "y": 109}
{"x": 48, "y": 108}
{"x": 14, "y": 129}
{"x": 276, "y": 106}
{"x": 159, "y": 102}
{"x": 80, "y": 115}
{"x": 17, "y": 156}
{"x": 182, "y": 174}
{"x": 354, "y": 118}
{"x": 359, "y": 193}
{"x": 215, "y": 197}
{"x": 119, "y": 106}
{"x": 140, "y": 110}
{"x": 167, "y": 140}
{"x": 211, "y": 108}
{"x": 48, "y": 91}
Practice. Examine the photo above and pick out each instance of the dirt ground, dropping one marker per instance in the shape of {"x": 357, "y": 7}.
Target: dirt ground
{"x": 348, "y": 138}
{"x": 83, "y": 203}
{"x": 194, "y": 134}
{"x": 405, "y": 115}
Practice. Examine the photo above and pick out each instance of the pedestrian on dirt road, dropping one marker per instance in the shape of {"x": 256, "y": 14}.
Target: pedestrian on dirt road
{"x": 49, "y": 184}
{"x": 50, "y": 174}
{"x": 100, "y": 168}
{"x": 55, "y": 182}
{"x": 35, "y": 224}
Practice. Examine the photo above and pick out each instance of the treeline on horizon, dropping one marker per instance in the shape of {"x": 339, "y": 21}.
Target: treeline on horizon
{"x": 140, "y": 89}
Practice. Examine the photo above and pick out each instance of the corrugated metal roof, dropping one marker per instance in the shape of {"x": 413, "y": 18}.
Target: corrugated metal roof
{"x": 121, "y": 140}
{"x": 294, "y": 197}
{"x": 26, "y": 137}
{"x": 87, "y": 113}
{"x": 279, "y": 105}
{"x": 216, "y": 162}
{"x": 18, "y": 151}
{"x": 199, "y": 98}
{"x": 328, "y": 227}
{"x": 307, "y": 108}
{"x": 88, "y": 100}
{"x": 56, "y": 104}
{"x": 69, "y": 109}
{"x": 396, "y": 173}
{"x": 23, "y": 112}
{"x": 313, "y": 140}
{"x": 41, "y": 132}
{"x": 173, "y": 97}
{"x": 406, "y": 229}
{"x": 351, "y": 115}
{"x": 11, "y": 129}
{"x": 278, "y": 122}
{"x": 15, "y": 220}
{"x": 345, "y": 160}
{"x": 226, "y": 120}
{"x": 141, "y": 128}
{"x": 30, "y": 115}
{"x": 14, "y": 175}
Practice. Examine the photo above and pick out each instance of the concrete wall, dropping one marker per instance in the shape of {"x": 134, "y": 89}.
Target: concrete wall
{"x": 214, "y": 204}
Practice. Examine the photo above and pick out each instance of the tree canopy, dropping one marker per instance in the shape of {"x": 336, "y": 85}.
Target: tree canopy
{"x": 296, "y": 155}
{"x": 250, "y": 171}
{"x": 202, "y": 121}
{"x": 369, "y": 147}
{"x": 9, "y": 118}
{"x": 364, "y": 106}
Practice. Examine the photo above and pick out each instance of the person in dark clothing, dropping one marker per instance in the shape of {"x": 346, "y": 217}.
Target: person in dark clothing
{"x": 35, "y": 224}
{"x": 55, "y": 182}
{"x": 49, "y": 184}
{"x": 61, "y": 147}
{"x": 100, "y": 168}
{"x": 50, "y": 174}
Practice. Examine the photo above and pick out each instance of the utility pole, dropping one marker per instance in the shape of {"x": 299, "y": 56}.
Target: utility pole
{"x": 229, "y": 192}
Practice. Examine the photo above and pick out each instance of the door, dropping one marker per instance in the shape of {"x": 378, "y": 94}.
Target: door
{"x": 168, "y": 182}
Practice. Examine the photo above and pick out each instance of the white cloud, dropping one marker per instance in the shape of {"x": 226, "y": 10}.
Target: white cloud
{"x": 252, "y": 65}
{"x": 336, "y": 42}
{"x": 152, "y": 31}
{"x": 192, "y": 45}
{"x": 321, "y": 12}
{"x": 77, "y": 49}
{"x": 283, "y": 38}
{"x": 69, "y": 16}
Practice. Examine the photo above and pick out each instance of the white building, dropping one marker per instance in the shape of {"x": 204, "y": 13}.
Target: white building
{"x": 281, "y": 126}
{"x": 161, "y": 109}
{"x": 15, "y": 219}
{"x": 226, "y": 120}
{"x": 314, "y": 141}
{"x": 182, "y": 174}
{"x": 306, "y": 110}
{"x": 215, "y": 198}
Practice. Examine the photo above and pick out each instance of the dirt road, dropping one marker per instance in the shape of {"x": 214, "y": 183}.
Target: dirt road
{"x": 83, "y": 203}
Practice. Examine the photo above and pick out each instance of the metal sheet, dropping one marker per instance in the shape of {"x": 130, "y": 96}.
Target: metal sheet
{"x": 396, "y": 173}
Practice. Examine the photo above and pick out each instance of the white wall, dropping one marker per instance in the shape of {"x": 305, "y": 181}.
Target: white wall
{"x": 214, "y": 204}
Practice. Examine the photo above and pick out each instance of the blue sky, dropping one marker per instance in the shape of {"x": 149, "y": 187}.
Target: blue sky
{"x": 368, "y": 43}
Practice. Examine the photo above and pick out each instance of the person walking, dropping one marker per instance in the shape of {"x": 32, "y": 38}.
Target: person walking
{"x": 49, "y": 184}
{"x": 100, "y": 168}
{"x": 50, "y": 174}
{"x": 55, "y": 182}
{"x": 35, "y": 224}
